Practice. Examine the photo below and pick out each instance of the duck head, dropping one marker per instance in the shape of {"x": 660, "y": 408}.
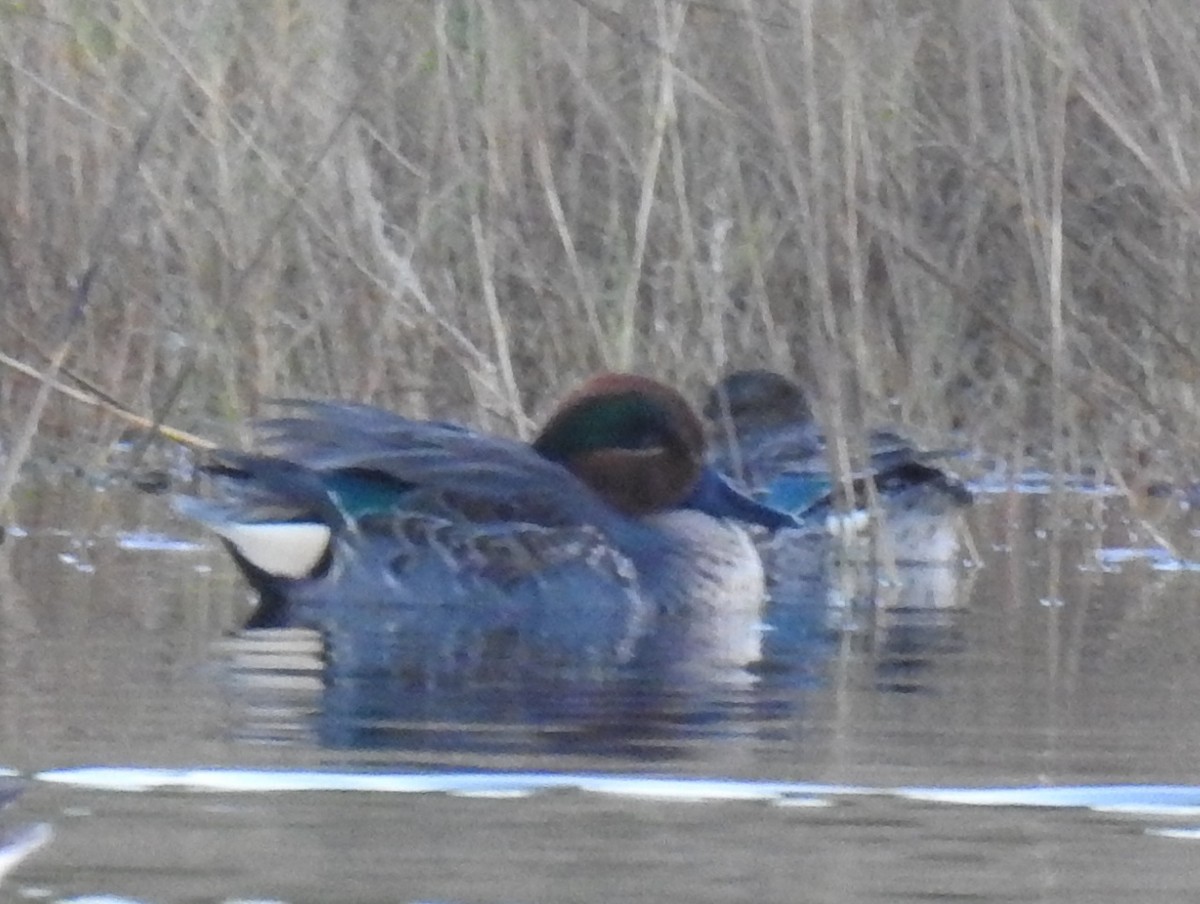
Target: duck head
{"x": 757, "y": 398}
{"x": 639, "y": 445}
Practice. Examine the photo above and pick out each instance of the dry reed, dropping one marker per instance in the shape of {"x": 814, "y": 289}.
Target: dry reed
{"x": 974, "y": 216}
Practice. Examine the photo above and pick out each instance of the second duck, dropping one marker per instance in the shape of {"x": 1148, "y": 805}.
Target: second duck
{"x": 768, "y": 439}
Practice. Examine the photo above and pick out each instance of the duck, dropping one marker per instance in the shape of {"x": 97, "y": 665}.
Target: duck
{"x": 768, "y": 441}
{"x": 425, "y": 548}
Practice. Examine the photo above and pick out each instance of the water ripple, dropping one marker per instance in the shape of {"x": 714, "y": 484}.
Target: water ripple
{"x": 1172, "y": 800}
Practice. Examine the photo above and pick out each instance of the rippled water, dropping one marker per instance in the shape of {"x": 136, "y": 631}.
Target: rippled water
{"x": 1023, "y": 730}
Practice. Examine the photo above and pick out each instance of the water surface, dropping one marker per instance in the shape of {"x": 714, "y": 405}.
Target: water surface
{"x": 1021, "y": 730}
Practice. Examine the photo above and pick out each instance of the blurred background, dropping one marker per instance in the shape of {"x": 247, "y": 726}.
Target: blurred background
{"x": 973, "y": 216}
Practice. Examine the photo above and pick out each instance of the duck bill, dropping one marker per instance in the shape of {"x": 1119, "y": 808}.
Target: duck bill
{"x": 715, "y": 496}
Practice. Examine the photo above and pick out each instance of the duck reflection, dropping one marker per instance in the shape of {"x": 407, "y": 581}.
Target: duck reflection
{"x": 293, "y": 685}
{"x": 901, "y": 622}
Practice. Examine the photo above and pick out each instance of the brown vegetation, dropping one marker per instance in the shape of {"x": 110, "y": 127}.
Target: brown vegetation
{"x": 973, "y": 215}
